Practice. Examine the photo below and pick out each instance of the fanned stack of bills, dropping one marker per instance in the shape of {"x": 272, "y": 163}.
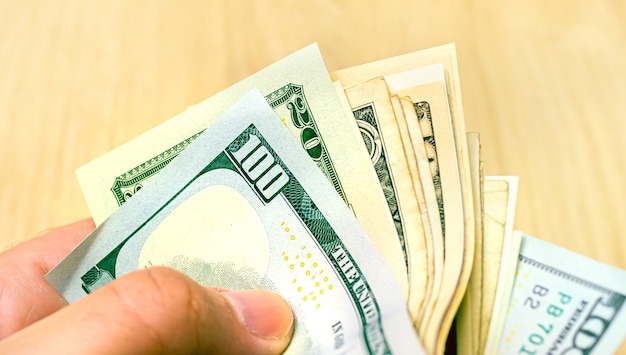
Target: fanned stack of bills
{"x": 359, "y": 197}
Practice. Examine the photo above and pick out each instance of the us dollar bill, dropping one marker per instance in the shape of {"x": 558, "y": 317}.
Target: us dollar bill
{"x": 468, "y": 317}
{"x": 374, "y": 114}
{"x": 500, "y": 248}
{"x": 459, "y": 228}
{"x": 299, "y": 90}
{"x": 245, "y": 207}
{"x": 563, "y": 303}
{"x": 427, "y": 89}
{"x": 420, "y": 166}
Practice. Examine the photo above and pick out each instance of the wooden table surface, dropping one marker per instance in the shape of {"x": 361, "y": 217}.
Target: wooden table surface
{"x": 544, "y": 83}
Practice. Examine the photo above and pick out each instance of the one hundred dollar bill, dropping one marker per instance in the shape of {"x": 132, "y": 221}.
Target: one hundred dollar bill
{"x": 563, "y": 303}
{"x": 245, "y": 207}
{"x": 299, "y": 90}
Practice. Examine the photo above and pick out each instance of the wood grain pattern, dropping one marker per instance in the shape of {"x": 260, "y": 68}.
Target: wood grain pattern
{"x": 542, "y": 81}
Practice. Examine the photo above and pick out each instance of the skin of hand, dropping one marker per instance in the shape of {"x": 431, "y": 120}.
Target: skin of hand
{"x": 151, "y": 311}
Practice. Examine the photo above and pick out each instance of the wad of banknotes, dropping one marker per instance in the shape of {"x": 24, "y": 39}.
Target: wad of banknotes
{"x": 358, "y": 196}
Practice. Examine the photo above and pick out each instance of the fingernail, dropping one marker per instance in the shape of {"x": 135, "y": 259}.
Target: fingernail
{"x": 264, "y": 313}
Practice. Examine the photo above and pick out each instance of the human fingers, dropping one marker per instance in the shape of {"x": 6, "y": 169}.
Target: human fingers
{"x": 25, "y": 296}
{"x": 159, "y": 310}
{"x": 50, "y": 247}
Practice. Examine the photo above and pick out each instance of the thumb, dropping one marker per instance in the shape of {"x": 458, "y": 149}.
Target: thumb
{"x": 159, "y": 310}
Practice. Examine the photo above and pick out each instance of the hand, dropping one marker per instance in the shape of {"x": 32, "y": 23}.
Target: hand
{"x": 155, "y": 310}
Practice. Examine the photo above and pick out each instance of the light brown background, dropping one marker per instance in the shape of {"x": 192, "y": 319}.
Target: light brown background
{"x": 544, "y": 83}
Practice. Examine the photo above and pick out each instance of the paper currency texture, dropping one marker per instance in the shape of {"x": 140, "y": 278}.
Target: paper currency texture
{"x": 563, "y": 303}
{"x": 245, "y": 207}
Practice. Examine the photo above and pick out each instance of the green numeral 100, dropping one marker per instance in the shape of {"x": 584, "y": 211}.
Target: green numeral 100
{"x": 260, "y": 168}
